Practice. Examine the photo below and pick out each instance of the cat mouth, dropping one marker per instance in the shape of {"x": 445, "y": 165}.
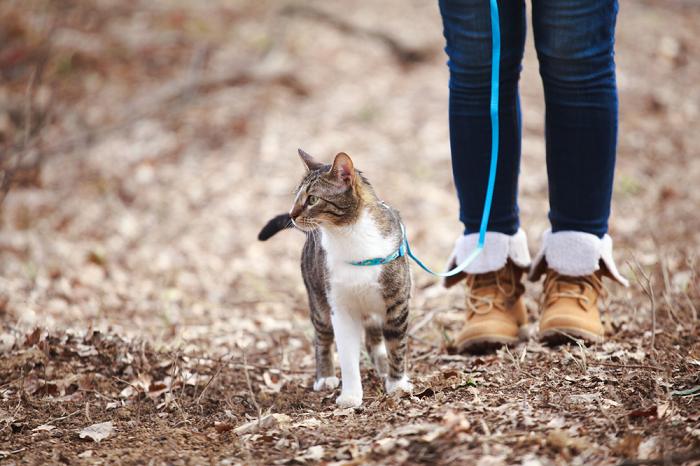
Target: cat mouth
{"x": 304, "y": 225}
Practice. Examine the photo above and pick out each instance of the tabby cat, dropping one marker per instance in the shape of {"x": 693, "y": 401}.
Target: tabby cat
{"x": 345, "y": 221}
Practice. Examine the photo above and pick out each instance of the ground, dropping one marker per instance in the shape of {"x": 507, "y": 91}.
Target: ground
{"x": 155, "y": 138}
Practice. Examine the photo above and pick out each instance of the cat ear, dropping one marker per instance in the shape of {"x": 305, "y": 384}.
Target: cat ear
{"x": 343, "y": 169}
{"x": 309, "y": 161}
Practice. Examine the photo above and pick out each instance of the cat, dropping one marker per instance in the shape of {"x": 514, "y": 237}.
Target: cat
{"x": 345, "y": 221}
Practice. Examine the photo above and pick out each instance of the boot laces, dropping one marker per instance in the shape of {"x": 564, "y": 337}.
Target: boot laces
{"x": 491, "y": 290}
{"x": 558, "y": 286}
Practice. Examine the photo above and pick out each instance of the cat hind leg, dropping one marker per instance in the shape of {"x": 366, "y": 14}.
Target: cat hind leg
{"x": 374, "y": 341}
{"x": 395, "y": 336}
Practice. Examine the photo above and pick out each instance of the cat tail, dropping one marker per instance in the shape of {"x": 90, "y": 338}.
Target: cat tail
{"x": 274, "y": 226}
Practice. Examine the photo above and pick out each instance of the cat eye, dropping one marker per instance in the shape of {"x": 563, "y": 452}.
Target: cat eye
{"x": 312, "y": 200}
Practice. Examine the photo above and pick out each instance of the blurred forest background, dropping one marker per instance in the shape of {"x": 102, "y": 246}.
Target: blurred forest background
{"x": 144, "y": 143}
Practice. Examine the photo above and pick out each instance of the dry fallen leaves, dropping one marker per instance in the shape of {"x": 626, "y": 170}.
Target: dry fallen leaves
{"x": 270, "y": 421}
{"x": 314, "y": 453}
{"x": 628, "y": 446}
{"x": 98, "y": 432}
{"x": 565, "y": 443}
{"x": 191, "y": 274}
{"x": 43, "y": 428}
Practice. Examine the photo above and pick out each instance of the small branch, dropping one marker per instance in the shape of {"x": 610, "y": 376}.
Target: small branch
{"x": 628, "y": 366}
{"x": 50, "y": 421}
{"x": 138, "y": 397}
{"x": 218, "y": 371}
{"x": 514, "y": 360}
{"x": 184, "y": 89}
{"x": 5, "y": 454}
{"x": 177, "y": 372}
{"x": 30, "y": 129}
{"x": 403, "y": 54}
{"x": 250, "y": 387}
{"x": 667, "y": 291}
{"x": 424, "y": 321}
{"x": 423, "y": 340}
{"x": 693, "y": 310}
{"x": 646, "y": 282}
{"x": 9, "y": 173}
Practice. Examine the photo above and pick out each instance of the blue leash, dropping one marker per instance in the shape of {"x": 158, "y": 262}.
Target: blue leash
{"x": 404, "y": 248}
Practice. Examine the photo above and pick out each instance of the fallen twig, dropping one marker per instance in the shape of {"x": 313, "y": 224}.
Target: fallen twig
{"x": 667, "y": 291}
{"x": 176, "y": 371}
{"x": 5, "y": 454}
{"x": 206, "y": 386}
{"x": 646, "y": 283}
{"x": 56, "y": 419}
{"x": 404, "y": 55}
{"x": 423, "y": 340}
{"x": 424, "y": 321}
{"x": 138, "y": 397}
{"x": 183, "y": 89}
{"x": 250, "y": 387}
{"x": 87, "y": 412}
{"x": 628, "y": 366}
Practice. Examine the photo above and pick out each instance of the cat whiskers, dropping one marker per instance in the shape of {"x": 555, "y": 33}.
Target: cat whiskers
{"x": 314, "y": 229}
{"x": 305, "y": 224}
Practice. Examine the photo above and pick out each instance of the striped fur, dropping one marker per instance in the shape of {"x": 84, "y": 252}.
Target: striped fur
{"x": 344, "y": 220}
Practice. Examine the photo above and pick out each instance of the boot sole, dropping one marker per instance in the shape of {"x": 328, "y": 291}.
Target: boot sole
{"x": 485, "y": 344}
{"x": 559, "y": 336}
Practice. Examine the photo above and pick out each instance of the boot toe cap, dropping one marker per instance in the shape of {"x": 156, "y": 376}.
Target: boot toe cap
{"x": 494, "y": 332}
{"x": 580, "y": 325}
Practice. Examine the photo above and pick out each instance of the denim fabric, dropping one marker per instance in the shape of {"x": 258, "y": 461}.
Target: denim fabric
{"x": 574, "y": 41}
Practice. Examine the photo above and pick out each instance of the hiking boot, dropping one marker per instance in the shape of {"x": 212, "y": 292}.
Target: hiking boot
{"x": 574, "y": 264}
{"x": 570, "y": 308}
{"x": 495, "y": 309}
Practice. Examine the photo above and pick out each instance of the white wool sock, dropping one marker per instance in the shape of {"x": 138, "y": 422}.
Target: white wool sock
{"x": 575, "y": 253}
{"x": 498, "y": 248}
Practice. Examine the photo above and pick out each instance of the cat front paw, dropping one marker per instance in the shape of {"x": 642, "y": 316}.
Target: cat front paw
{"x": 349, "y": 400}
{"x": 402, "y": 384}
{"x": 326, "y": 383}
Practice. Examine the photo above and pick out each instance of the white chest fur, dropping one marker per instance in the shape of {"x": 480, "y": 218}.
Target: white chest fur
{"x": 355, "y": 289}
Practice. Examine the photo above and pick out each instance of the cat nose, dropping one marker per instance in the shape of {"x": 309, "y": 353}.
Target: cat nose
{"x": 295, "y": 212}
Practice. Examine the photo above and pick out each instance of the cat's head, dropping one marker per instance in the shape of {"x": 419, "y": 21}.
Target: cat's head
{"x": 328, "y": 195}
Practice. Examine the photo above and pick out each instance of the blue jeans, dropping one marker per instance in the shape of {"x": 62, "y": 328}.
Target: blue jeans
{"x": 574, "y": 41}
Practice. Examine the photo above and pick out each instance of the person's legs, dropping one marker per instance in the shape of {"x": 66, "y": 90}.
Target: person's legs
{"x": 575, "y": 44}
{"x": 495, "y": 310}
{"x": 467, "y": 30}
{"x": 574, "y": 41}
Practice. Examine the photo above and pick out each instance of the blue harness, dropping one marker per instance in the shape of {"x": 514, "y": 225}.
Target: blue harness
{"x": 404, "y": 248}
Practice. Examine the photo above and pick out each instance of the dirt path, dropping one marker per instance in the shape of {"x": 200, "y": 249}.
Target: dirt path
{"x": 169, "y": 139}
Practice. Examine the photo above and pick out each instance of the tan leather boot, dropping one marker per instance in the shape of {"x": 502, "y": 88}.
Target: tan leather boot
{"x": 574, "y": 264}
{"x": 570, "y": 308}
{"x": 495, "y": 309}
